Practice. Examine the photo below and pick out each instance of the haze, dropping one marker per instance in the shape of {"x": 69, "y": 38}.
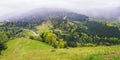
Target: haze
{"x": 8, "y": 6}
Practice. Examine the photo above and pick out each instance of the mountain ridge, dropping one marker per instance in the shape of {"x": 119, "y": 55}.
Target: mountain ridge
{"x": 39, "y": 14}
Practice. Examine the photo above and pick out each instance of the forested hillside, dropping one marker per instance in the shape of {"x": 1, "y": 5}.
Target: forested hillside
{"x": 60, "y": 29}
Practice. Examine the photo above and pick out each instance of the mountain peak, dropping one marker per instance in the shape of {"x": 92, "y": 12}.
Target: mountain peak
{"x": 40, "y": 14}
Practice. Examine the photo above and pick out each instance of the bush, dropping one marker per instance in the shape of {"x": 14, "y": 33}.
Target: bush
{"x": 79, "y": 44}
{"x": 89, "y": 45}
{"x": 62, "y": 43}
{"x": 72, "y": 44}
{"x": 36, "y": 38}
{"x": 107, "y": 44}
{"x": 2, "y": 47}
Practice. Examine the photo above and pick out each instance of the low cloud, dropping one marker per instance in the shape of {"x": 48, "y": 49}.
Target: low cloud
{"x": 7, "y": 6}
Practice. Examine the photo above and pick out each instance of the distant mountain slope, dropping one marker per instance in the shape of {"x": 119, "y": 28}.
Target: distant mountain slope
{"x": 104, "y": 14}
{"x": 39, "y": 14}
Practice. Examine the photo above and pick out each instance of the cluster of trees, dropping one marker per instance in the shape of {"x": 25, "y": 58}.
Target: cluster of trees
{"x": 64, "y": 33}
{"x": 7, "y": 33}
{"x": 21, "y": 24}
{"x": 3, "y": 39}
{"x": 88, "y": 33}
{"x": 77, "y": 40}
{"x": 51, "y": 38}
{"x": 102, "y": 29}
{"x": 86, "y": 40}
{"x": 74, "y": 34}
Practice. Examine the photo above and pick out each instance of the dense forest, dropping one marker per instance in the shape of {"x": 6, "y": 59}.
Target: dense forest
{"x": 64, "y": 33}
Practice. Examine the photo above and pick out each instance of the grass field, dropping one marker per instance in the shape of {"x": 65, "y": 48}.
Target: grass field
{"x": 26, "y": 33}
{"x": 27, "y": 49}
{"x": 45, "y": 26}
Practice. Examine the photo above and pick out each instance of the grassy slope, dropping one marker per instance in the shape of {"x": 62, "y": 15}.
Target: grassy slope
{"x": 21, "y": 48}
{"x": 26, "y": 49}
{"x": 45, "y": 26}
{"x": 26, "y": 33}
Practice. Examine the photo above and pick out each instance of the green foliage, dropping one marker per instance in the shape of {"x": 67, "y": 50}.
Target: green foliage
{"x": 3, "y": 39}
{"x": 101, "y": 29}
{"x": 36, "y": 38}
{"x": 89, "y": 45}
{"x": 50, "y": 38}
{"x": 61, "y": 43}
{"x": 25, "y": 33}
{"x": 65, "y": 32}
{"x": 2, "y": 47}
{"x": 59, "y": 34}
{"x": 85, "y": 39}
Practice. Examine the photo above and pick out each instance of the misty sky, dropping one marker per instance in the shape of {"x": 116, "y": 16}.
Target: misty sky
{"x": 7, "y": 6}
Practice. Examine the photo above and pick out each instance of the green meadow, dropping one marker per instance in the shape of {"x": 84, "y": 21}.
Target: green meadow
{"x": 27, "y": 49}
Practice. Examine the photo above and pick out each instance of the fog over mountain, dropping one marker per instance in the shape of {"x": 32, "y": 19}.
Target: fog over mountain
{"x": 103, "y": 14}
{"x": 40, "y": 14}
{"x": 99, "y": 9}
{"x": 97, "y": 14}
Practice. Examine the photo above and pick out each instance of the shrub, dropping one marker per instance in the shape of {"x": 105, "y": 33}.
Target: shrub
{"x": 107, "y": 44}
{"x": 89, "y": 45}
{"x": 62, "y": 43}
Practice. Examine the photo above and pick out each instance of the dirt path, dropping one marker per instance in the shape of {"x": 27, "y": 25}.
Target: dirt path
{"x": 34, "y": 33}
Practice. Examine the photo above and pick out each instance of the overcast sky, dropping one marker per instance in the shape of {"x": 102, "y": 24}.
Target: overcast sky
{"x": 7, "y": 6}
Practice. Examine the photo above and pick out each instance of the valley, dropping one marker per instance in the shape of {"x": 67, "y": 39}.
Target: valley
{"x": 53, "y": 34}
